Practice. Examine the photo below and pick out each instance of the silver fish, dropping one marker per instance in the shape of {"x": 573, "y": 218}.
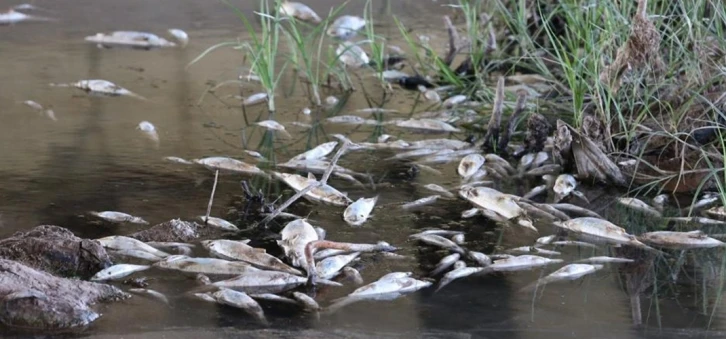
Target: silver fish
{"x": 120, "y": 243}
{"x": 180, "y": 36}
{"x": 535, "y": 191}
{"x": 565, "y": 184}
{"x": 567, "y": 272}
{"x": 187, "y": 264}
{"x": 119, "y": 217}
{"x": 388, "y": 287}
{"x": 445, "y": 263}
{"x": 151, "y": 293}
{"x": 428, "y": 125}
{"x": 470, "y": 164}
{"x": 353, "y": 275}
{"x": 235, "y": 250}
{"x": 532, "y": 250}
{"x": 260, "y": 281}
{"x": 454, "y": 101}
{"x": 299, "y": 11}
{"x": 421, "y": 202}
{"x": 357, "y": 213}
{"x": 640, "y": 206}
{"x": 520, "y": 263}
{"x": 178, "y": 160}
{"x": 273, "y": 126}
{"x": 606, "y": 260}
{"x": 352, "y": 55}
{"x": 546, "y": 240}
{"x": 228, "y": 164}
{"x": 326, "y": 193}
{"x": 470, "y": 213}
{"x": 599, "y": 230}
{"x": 573, "y": 243}
{"x": 318, "y": 152}
{"x": 440, "y": 190}
{"x": 218, "y": 223}
{"x": 139, "y": 40}
{"x": 100, "y": 87}
{"x": 294, "y": 237}
{"x": 118, "y": 271}
{"x": 480, "y": 258}
{"x": 177, "y": 247}
{"x": 273, "y": 297}
{"x": 439, "y": 241}
{"x": 680, "y": 240}
{"x": 346, "y": 27}
{"x": 136, "y": 254}
{"x": 242, "y": 301}
{"x": 255, "y": 99}
{"x": 12, "y": 17}
{"x": 309, "y": 304}
{"x": 457, "y": 274}
{"x": 458, "y": 239}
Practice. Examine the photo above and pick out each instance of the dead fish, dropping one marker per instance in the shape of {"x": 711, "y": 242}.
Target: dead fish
{"x": 546, "y": 240}
{"x": 353, "y": 275}
{"x": 118, "y": 271}
{"x": 228, "y": 164}
{"x": 707, "y": 199}
{"x": 454, "y": 101}
{"x": 421, "y": 202}
{"x": 389, "y": 287}
{"x": 606, "y": 260}
{"x": 346, "y": 27}
{"x": 352, "y": 55}
{"x": 180, "y": 36}
{"x": 697, "y": 220}
{"x": 331, "y": 101}
{"x": 120, "y": 243}
{"x": 445, "y": 263}
{"x": 716, "y": 212}
{"x": 299, "y": 11}
{"x": 235, "y": 250}
{"x": 428, "y": 125}
{"x": 100, "y": 87}
{"x": 320, "y": 232}
{"x": 440, "y": 232}
{"x": 532, "y": 250}
{"x": 525, "y": 162}
{"x": 149, "y": 130}
{"x": 318, "y": 152}
{"x": 660, "y": 201}
{"x": 498, "y": 203}
{"x": 519, "y": 263}
{"x": 599, "y": 230}
{"x": 357, "y": 213}
{"x": 439, "y": 241}
{"x": 308, "y": 304}
{"x": 480, "y": 258}
{"x": 294, "y": 237}
{"x": 150, "y": 293}
{"x": 567, "y": 272}
{"x": 565, "y": 184}
{"x": 119, "y": 217}
{"x": 39, "y": 108}
{"x": 535, "y": 191}
{"x": 575, "y": 209}
{"x": 543, "y": 170}
{"x": 205, "y": 297}
{"x": 452, "y": 144}
{"x": 391, "y": 75}
{"x": 12, "y": 17}
{"x": 178, "y": 160}
{"x": 273, "y": 297}
{"x": 325, "y": 193}
{"x": 255, "y": 155}
{"x": 640, "y": 206}
{"x": 255, "y": 99}
{"x": 470, "y": 164}
{"x": 458, "y": 239}
{"x": 470, "y": 213}
{"x": 120, "y": 255}
{"x": 260, "y": 281}
{"x": 218, "y": 223}
{"x": 273, "y": 126}
{"x": 319, "y": 166}
{"x": 573, "y": 243}
{"x": 178, "y": 247}
{"x": 438, "y": 189}
{"x": 187, "y": 264}
{"x": 680, "y": 240}
{"x": 540, "y": 158}
{"x": 431, "y": 95}
{"x": 329, "y": 267}
{"x": 457, "y": 274}
{"x": 414, "y": 153}
{"x": 133, "y": 39}
{"x": 202, "y": 280}
{"x": 346, "y": 119}
{"x": 242, "y": 301}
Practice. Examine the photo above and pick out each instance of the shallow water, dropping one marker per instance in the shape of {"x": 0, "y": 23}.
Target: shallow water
{"x": 92, "y": 158}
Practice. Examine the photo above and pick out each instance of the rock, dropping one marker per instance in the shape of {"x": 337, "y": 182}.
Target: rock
{"x": 55, "y": 250}
{"x": 33, "y": 299}
{"x": 177, "y": 230}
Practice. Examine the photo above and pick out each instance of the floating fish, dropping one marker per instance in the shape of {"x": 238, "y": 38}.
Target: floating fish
{"x": 353, "y": 275}
{"x": 440, "y": 232}
{"x": 599, "y": 230}
{"x": 178, "y": 160}
{"x": 149, "y": 130}
{"x": 120, "y": 255}
{"x": 565, "y": 184}
{"x": 331, "y": 101}
{"x": 357, "y": 213}
{"x": 575, "y": 209}
{"x": 273, "y": 297}
{"x": 640, "y": 206}
{"x": 39, "y": 108}
{"x": 331, "y": 266}
{"x": 294, "y": 237}
{"x": 183, "y": 263}
{"x": 532, "y": 250}
{"x": 606, "y": 260}
{"x": 431, "y": 95}
{"x": 498, "y": 203}
{"x": 346, "y": 27}
{"x": 101, "y": 88}
{"x": 12, "y": 17}
{"x": 260, "y": 281}
{"x": 439, "y": 241}
{"x": 119, "y": 217}
{"x": 228, "y": 164}
{"x": 318, "y": 152}
{"x": 458, "y": 239}
{"x": 421, "y": 202}
{"x": 428, "y": 125}
{"x": 680, "y": 240}
{"x": 389, "y": 287}
{"x": 273, "y": 126}
{"x": 218, "y": 223}
{"x": 470, "y": 213}
{"x": 480, "y": 258}
{"x": 236, "y": 250}
{"x": 255, "y": 99}
{"x": 352, "y": 55}
{"x": 438, "y": 189}
{"x": 546, "y": 240}
{"x": 299, "y": 11}
{"x": 573, "y": 243}
{"x": 242, "y": 301}
{"x": 118, "y": 271}
{"x": 150, "y": 293}
{"x": 139, "y": 40}
{"x": 660, "y": 201}
{"x": 325, "y": 193}
{"x": 457, "y": 274}
{"x": 180, "y": 36}
{"x": 519, "y": 263}
{"x": 308, "y": 304}
{"x": 470, "y": 164}
{"x": 445, "y": 263}
{"x": 567, "y": 272}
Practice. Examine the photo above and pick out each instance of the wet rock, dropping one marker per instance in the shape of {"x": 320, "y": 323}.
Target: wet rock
{"x": 37, "y": 300}
{"x": 55, "y": 250}
{"x": 177, "y": 230}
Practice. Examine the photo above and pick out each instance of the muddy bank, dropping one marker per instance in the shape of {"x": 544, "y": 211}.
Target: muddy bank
{"x": 55, "y": 250}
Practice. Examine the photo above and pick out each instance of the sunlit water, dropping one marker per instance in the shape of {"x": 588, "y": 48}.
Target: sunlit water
{"x": 92, "y": 158}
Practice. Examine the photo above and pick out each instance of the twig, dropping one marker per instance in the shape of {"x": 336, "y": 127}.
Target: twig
{"x": 453, "y": 41}
{"x": 512, "y": 124}
{"x": 310, "y": 187}
{"x": 211, "y": 198}
{"x": 492, "y": 136}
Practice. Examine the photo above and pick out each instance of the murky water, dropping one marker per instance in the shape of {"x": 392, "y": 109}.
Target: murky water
{"x": 92, "y": 158}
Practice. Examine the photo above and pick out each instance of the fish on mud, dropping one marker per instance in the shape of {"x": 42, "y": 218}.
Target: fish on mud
{"x": 273, "y": 126}
{"x": 119, "y": 217}
{"x": 640, "y": 206}
{"x": 352, "y": 55}
{"x": 242, "y": 301}
{"x": 389, "y": 287}
{"x": 330, "y": 267}
{"x": 183, "y": 263}
{"x": 428, "y": 125}
{"x": 150, "y": 293}
{"x": 228, "y": 164}
{"x": 439, "y": 241}
{"x": 567, "y": 272}
{"x": 180, "y": 36}
{"x": 120, "y": 243}
{"x": 133, "y": 39}
{"x": 318, "y": 152}
{"x": 255, "y": 99}
{"x": 178, "y": 247}
{"x": 299, "y": 11}
{"x": 680, "y": 240}
{"x": 599, "y": 230}
{"x": 218, "y": 223}
{"x": 445, "y": 263}
{"x": 357, "y": 213}
{"x": 440, "y": 190}
{"x": 121, "y": 255}
{"x": 149, "y": 131}
{"x": 454, "y": 101}
{"x": 353, "y": 275}
{"x": 421, "y": 202}
{"x": 346, "y": 27}
{"x": 100, "y": 88}
{"x": 325, "y": 193}
{"x": 480, "y": 258}
{"x": 606, "y": 260}
{"x": 236, "y": 250}
{"x": 470, "y": 164}
{"x": 308, "y": 304}
{"x": 118, "y": 271}
{"x": 178, "y": 160}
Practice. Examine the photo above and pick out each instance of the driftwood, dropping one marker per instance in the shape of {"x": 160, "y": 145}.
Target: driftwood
{"x": 55, "y": 250}
{"x": 591, "y": 162}
{"x": 32, "y": 299}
